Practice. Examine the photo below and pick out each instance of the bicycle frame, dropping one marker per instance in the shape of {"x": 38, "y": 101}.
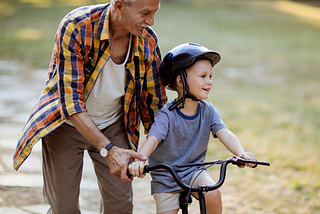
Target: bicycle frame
{"x": 203, "y": 189}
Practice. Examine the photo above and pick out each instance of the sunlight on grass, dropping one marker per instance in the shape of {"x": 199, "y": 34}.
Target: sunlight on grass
{"x": 28, "y": 34}
{"x": 38, "y": 3}
{"x": 308, "y": 13}
{"x": 6, "y": 9}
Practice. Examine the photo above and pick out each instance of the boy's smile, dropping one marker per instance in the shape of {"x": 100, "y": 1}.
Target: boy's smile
{"x": 199, "y": 79}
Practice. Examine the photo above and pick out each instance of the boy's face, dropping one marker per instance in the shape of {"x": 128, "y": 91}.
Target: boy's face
{"x": 199, "y": 79}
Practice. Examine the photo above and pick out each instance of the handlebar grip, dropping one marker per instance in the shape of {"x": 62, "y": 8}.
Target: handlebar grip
{"x": 146, "y": 169}
{"x": 263, "y": 163}
{"x": 240, "y": 162}
{"x": 259, "y": 163}
{"x": 129, "y": 174}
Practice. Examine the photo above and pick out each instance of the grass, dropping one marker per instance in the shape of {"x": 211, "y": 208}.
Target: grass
{"x": 266, "y": 88}
{"x": 28, "y": 28}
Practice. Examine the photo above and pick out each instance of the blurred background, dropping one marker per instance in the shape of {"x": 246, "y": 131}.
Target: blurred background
{"x": 266, "y": 88}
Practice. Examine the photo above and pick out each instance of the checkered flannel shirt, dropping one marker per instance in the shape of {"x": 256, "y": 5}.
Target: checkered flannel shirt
{"x": 80, "y": 52}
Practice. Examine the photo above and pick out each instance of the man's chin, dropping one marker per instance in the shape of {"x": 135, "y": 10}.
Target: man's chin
{"x": 138, "y": 32}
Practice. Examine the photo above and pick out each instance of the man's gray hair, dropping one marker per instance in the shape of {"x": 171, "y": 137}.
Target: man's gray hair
{"x": 125, "y": 1}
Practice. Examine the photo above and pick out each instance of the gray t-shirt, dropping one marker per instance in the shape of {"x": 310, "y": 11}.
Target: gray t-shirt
{"x": 182, "y": 139}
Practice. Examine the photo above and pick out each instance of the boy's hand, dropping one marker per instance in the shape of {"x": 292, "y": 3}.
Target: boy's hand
{"x": 136, "y": 168}
{"x": 248, "y": 156}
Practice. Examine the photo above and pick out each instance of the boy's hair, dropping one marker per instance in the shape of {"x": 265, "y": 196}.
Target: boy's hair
{"x": 174, "y": 79}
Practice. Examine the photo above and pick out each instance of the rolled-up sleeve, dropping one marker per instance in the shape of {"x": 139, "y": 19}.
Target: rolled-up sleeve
{"x": 70, "y": 69}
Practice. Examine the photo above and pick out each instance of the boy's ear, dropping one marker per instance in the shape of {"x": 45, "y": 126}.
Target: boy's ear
{"x": 179, "y": 81}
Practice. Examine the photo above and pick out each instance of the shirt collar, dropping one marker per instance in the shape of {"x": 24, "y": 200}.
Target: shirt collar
{"x": 103, "y": 29}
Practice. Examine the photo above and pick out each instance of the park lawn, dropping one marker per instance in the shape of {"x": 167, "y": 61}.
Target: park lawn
{"x": 266, "y": 89}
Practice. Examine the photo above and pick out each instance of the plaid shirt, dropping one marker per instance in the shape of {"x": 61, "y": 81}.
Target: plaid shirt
{"x": 80, "y": 52}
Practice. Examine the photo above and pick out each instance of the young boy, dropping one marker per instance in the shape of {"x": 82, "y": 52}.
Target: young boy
{"x": 181, "y": 129}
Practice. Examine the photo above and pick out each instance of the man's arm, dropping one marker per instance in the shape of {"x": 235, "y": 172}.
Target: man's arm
{"x": 117, "y": 158}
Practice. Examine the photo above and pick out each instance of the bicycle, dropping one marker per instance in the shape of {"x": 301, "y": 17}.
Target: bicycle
{"x": 185, "y": 198}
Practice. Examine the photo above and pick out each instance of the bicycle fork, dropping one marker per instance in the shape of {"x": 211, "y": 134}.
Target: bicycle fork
{"x": 185, "y": 199}
{"x": 202, "y": 202}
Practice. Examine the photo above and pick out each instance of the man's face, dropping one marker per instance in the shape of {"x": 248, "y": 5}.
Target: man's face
{"x": 138, "y": 15}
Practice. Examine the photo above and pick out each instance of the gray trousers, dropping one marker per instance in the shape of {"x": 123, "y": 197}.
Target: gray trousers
{"x": 62, "y": 152}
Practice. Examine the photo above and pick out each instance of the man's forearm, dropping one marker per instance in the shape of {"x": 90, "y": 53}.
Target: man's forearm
{"x": 118, "y": 158}
{"x": 88, "y": 129}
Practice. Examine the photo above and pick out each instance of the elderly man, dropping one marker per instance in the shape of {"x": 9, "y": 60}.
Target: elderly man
{"x": 103, "y": 78}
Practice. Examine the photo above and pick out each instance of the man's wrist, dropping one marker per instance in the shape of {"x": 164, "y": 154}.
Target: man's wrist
{"x": 104, "y": 151}
{"x": 109, "y": 146}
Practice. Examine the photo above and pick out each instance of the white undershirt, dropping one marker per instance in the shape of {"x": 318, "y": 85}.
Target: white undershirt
{"x": 105, "y": 103}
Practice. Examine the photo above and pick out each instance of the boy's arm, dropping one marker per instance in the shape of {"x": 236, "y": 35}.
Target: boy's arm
{"x": 136, "y": 168}
{"x": 149, "y": 146}
{"x": 231, "y": 142}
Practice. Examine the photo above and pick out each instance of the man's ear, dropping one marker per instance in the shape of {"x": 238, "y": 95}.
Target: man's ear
{"x": 118, "y": 7}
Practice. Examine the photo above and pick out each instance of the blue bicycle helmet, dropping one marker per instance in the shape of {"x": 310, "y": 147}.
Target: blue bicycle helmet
{"x": 180, "y": 58}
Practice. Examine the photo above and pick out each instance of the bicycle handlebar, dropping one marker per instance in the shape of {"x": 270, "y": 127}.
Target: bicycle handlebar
{"x": 173, "y": 171}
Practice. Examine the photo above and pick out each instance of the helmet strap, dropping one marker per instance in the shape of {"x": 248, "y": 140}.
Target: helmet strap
{"x": 186, "y": 94}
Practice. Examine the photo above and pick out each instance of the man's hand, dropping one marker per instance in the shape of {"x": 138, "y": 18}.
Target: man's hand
{"x": 118, "y": 159}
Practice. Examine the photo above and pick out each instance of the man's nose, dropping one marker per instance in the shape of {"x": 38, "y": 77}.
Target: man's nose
{"x": 150, "y": 19}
